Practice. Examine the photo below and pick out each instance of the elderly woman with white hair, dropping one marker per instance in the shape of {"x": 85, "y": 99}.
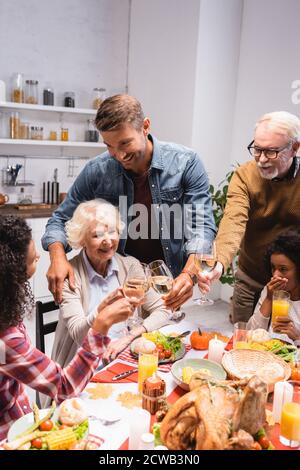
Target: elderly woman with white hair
{"x": 99, "y": 275}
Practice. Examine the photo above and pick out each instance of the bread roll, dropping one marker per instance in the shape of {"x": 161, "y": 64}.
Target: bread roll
{"x": 142, "y": 345}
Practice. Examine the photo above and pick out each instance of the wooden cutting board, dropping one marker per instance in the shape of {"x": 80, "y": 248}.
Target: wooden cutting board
{"x": 26, "y": 207}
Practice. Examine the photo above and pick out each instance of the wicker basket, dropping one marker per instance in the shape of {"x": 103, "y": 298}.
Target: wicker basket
{"x": 241, "y": 363}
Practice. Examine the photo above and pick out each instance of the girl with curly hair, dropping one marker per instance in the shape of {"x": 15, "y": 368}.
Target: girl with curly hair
{"x": 283, "y": 263}
{"x": 20, "y": 362}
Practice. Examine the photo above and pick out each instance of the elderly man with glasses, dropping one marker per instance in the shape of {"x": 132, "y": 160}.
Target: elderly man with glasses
{"x": 263, "y": 200}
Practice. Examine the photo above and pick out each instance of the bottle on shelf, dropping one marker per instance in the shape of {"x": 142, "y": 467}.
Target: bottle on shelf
{"x": 48, "y": 96}
{"x": 17, "y": 91}
{"x": 2, "y": 91}
{"x": 64, "y": 134}
{"x": 91, "y": 134}
{"x": 98, "y": 97}
{"x": 14, "y": 125}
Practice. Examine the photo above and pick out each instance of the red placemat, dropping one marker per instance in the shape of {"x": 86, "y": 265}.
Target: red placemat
{"x": 126, "y": 355}
{"x": 106, "y": 375}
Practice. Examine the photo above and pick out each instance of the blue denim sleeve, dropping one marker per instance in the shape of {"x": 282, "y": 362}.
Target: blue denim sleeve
{"x": 199, "y": 219}
{"x": 81, "y": 190}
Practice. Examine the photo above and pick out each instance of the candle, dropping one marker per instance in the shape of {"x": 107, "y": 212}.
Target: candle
{"x": 139, "y": 423}
{"x": 216, "y": 350}
{"x": 283, "y": 393}
{"x": 154, "y": 382}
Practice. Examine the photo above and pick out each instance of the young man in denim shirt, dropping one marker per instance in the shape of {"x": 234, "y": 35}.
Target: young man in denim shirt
{"x": 164, "y": 183}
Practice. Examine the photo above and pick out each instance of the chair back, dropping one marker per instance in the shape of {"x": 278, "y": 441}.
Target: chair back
{"x": 42, "y": 328}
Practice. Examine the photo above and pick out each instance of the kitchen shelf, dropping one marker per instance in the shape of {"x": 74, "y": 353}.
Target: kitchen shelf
{"x": 52, "y": 143}
{"x": 21, "y": 147}
{"x": 51, "y": 109}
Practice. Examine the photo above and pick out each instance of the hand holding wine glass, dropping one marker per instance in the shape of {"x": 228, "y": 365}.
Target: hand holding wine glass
{"x": 135, "y": 287}
{"x": 205, "y": 260}
{"x": 162, "y": 282}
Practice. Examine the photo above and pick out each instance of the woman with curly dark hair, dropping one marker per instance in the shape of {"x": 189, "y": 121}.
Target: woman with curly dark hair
{"x": 283, "y": 263}
{"x": 20, "y": 362}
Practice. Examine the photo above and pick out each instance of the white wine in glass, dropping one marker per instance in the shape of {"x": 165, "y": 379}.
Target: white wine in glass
{"x": 162, "y": 282}
{"x": 135, "y": 287}
{"x": 205, "y": 260}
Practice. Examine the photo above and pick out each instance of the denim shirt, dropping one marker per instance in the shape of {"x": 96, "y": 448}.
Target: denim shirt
{"x": 176, "y": 176}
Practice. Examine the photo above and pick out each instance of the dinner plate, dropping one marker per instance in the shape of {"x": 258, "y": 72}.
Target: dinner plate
{"x": 216, "y": 370}
{"x": 23, "y": 423}
{"x": 178, "y": 355}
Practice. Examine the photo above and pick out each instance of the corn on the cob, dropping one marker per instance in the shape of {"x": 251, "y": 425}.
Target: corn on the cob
{"x": 60, "y": 440}
{"x": 187, "y": 373}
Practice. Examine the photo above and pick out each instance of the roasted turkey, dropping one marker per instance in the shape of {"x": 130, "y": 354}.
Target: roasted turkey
{"x": 216, "y": 415}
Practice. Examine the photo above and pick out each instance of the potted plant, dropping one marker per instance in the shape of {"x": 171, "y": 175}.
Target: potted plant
{"x": 219, "y": 198}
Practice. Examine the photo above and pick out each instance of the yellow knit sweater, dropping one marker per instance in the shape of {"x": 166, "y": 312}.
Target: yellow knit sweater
{"x": 257, "y": 210}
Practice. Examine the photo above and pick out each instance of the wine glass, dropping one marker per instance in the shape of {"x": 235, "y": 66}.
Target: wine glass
{"x": 135, "y": 286}
{"x": 205, "y": 260}
{"x": 162, "y": 282}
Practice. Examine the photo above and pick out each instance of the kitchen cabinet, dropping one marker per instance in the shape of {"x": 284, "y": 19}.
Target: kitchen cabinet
{"x": 51, "y": 117}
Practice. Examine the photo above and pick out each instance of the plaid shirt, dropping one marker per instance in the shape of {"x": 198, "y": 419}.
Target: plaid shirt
{"x": 21, "y": 363}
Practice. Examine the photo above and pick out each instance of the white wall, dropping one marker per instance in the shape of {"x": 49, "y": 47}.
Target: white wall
{"x": 74, "y": 45}
{"x": 216, "y": 81}
{"x": 70, "y": 43}
{"x": 163, "y": 44}
{"x": 269, "y": 63}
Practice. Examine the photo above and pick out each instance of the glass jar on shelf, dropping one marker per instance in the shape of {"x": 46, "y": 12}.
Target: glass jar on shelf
{"x": 69, "y": 99}
{"x": 91, "y": 134}
{"x": 64, "y": 134}
{"x": 48, "y": 96}
{"x": 24, "y": 130}
{"x": 24, "y": 198}
{"x": 14, "y": 125}
{"x": 31, "y": 92}
{"x": 98, "y": 97}
{"x": 36, "y": 133}
{"x": 52, "y": 135}
{"x": 17, "y": 91}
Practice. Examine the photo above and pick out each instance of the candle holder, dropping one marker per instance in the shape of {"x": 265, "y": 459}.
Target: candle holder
{"x": 154, "y": 389}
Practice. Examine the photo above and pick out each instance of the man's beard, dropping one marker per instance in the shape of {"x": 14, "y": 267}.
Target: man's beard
{"x": 268, "y": 172}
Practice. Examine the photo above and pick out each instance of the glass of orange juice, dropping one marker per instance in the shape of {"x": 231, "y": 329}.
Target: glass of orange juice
{"x": 280, "y": 304}
{"x": 147, "y": 366}
{"x": 240, "y": 339}
{"x": 290, "y": 417}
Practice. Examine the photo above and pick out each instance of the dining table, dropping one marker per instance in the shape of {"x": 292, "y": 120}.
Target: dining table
{"x": 111, "y": 404}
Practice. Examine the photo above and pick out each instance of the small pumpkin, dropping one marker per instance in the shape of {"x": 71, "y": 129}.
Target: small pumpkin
{"x": 200, "y": 340}
{"x": 295, "y": 375}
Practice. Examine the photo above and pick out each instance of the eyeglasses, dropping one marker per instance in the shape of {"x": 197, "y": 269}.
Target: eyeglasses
{"x": 271, "y": 154}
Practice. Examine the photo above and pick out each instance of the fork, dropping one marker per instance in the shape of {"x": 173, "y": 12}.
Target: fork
{"x": 105, "y": 422}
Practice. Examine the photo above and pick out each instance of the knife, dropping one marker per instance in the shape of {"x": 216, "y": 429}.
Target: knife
{"x": 124, "y": 374}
